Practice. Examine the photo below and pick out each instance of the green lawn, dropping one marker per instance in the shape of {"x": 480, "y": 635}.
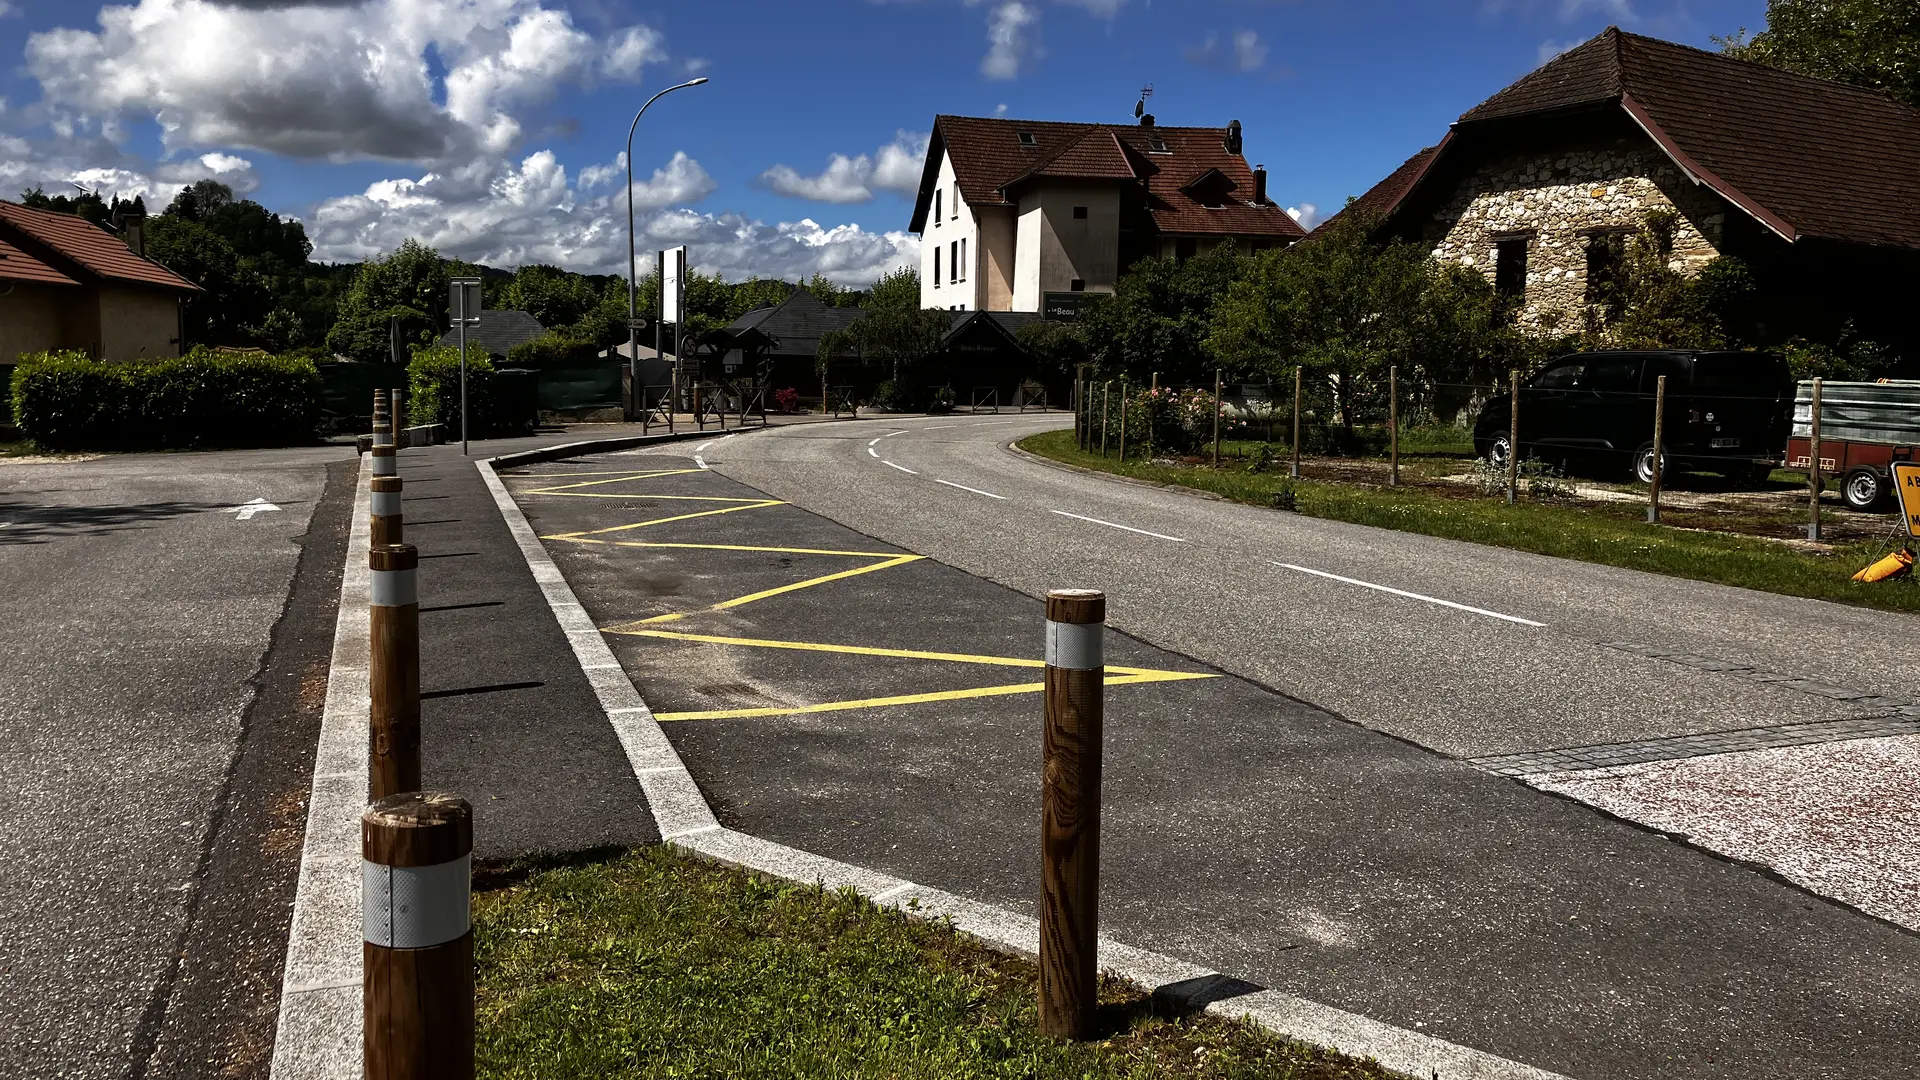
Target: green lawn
{"x": 650, "y": 964}
{"x": 1612, "y": 533}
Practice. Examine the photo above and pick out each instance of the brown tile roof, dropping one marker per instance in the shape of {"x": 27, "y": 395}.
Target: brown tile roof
{"x": 989, "y": 158}
{"x": 17, "y": 265}
{"x": 1383, "y": 197}
{"x": 88, "y": 246}
{"x": 1805, "y": 156}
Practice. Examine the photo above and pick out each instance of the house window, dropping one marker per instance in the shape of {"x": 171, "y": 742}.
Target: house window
{"x": 953, "y": 261}
{"x": 1157, "y": 145}
{"x": 1027, "y": 139}
{"x": 936, "y": 206}
{"x": 1077, "y": 285}
{"x": 1510, "y": 268}
{"x": 1080, "y": 213}
{"x": 936, "y": 268}
{"x": 963, "y": 259}
{"x": 1186, "y": 248}
{"x": 1606, "y": 251}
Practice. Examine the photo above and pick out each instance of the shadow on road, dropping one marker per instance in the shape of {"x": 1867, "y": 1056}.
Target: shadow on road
{"x": 24, "y": 523}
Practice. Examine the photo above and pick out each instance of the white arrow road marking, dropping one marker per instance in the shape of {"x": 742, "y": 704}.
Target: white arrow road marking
{"x": 245, "y": 513}
{"x": 1411, "y": 595}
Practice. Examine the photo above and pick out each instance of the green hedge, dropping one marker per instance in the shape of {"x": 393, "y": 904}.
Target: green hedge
{"x": 494, "y": 405}
{"x": 554, "y": 350}
{"x": 67, "y": 401}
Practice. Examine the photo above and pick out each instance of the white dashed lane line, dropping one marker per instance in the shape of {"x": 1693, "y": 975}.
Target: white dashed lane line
{"x": 976, "y": 491}
{"x": 1117, "y": 525}
{"x": 1411, "y": 595}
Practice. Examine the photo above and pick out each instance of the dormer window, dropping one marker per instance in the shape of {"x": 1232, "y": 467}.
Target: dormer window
{"x": 1157, "y": 145}
{"x": 1027, "y": 139}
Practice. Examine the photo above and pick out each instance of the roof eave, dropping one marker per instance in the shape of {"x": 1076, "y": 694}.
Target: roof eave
{"x": 1699, "y": 174}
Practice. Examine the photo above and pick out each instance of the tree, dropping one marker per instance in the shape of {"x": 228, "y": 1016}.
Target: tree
{"x": 899, "y": 291}
{"x": 1158, "y": 318}
{"x": 1056, "y": 348}
{"x": 554, "y": 296}
{"x": 410, "y": 284}
{"x": 758, "y": 293}
{"x": 234, "y": 300}
{"x": 1870, "y": 43}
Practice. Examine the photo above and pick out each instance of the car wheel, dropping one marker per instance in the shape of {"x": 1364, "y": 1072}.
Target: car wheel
{"x": 1643, "y": 464}
{"x": 1863, "y": 489}
{"x": 1499, "y": 449}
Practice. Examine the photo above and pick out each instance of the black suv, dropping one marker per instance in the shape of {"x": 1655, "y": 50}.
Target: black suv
{"x": 1727, "y": 412}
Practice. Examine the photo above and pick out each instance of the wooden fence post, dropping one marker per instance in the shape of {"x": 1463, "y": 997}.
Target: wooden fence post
{"x": 393, "y": 674}
{"x": 1106, "y": 390}
{"x": 1393, "y": 426}
{"x": 416, "y": 880}
{"x": 1070, "y": 812}
{"x": 1659, "y": 451}
{"x": 1513, "y": 438}
{"x": 1123, "y": 420}
{"x": 1815, "y": 482}
{"x": 1216, "y": 418}
{"x": 1299, "y": 381}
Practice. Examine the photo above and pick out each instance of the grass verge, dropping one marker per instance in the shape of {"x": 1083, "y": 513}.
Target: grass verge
{"x": 1612, "y": 534}
{"x": 650, "y": 964}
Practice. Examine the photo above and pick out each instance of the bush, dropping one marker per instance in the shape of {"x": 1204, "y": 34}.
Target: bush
{"x": 786, "y": 400}
{"x": 554, "y": 350}
{"x": 68, "y": 401}
{"x": 433, "y": 380}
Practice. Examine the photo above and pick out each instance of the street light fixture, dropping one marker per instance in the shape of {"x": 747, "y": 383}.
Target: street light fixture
{"x": 633, "y": 332}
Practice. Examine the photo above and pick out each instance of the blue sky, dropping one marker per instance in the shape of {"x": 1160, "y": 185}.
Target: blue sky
{"x": 493, "y": 128}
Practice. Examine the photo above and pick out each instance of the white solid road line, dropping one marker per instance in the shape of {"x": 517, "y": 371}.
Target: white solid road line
{"x": 902, "y": 468}
{"x": 976, "y": 491}
{"x": 703, "y": 446}
{"x": 876, "y": 442}
{"x": 1412, "y": 595}
{"x": 891, "y": 434}
{"x": 1116, "y": 525}
{"x": 872, "y": 451}
{"x": 700, "y": 461}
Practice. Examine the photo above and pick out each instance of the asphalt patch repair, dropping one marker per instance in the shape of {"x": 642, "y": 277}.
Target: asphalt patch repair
{"x": 841, "y": 696}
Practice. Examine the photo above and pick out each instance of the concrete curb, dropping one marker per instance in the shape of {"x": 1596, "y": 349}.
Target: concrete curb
{"x": 318, "y": 1037}
{"x": 687, "y": 822}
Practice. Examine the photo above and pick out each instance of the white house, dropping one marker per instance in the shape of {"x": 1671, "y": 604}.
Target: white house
{"x": 1020, "y": 215}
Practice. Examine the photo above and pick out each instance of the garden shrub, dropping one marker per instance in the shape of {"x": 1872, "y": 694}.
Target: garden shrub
{"x": 68, "y": 401}
{"x": 433, "y": 380}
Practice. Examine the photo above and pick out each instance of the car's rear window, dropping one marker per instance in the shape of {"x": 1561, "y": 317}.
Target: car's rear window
{"x": 1739, "y": 374}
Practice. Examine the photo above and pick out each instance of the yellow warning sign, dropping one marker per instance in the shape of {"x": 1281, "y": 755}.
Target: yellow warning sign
{"x": 1906, "y": 486}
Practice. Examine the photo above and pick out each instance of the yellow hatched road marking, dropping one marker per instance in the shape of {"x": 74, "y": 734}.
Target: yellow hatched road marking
{"x": 578, "y": 536}
{"x": 871, "y": 650}
{"x": 565, "y": 489}
{"x": 918, "y": 699}
{"x": 748, "y": 547}
{"x": 628, "y": 473}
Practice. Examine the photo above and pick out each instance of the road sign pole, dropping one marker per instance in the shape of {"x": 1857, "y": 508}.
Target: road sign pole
{"x": 1070, "y": 812}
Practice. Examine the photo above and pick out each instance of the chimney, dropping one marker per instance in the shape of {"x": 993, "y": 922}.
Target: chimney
{"x": 133, "y": 232}
{"x": 1146, "y": 119}
{"x": 1233, "y": 138}
{"x": 1259, "y": 185}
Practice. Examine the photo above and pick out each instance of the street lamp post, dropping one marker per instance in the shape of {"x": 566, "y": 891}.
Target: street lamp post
{"x": 633, "y": 333}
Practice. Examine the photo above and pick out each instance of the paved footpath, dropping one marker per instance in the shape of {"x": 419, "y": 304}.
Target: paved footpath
{"x": 837, "y": 693}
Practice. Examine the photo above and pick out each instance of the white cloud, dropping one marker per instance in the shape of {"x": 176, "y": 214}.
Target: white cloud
{"x": 998, "y": 110}
{"x": 1010, "y": 30}
{"x": 1242, "y": 53}
{"x": 1307, "y": 214}
{"x": 894, "y": 167}
{"x": 514, "y": 215}
{"x": 1103, "y": 9}
{"x": 6, "y": 9}
{"x": 1551, "y": 49}
{"x": 1618, "y": 10}
{"x": 101, "y": 166}
{"x": 326, "y": 80}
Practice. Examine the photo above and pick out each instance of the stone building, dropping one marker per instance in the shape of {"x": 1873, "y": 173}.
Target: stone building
{"x": 1814, "y": 185}
{"x": 1023, "y": 215}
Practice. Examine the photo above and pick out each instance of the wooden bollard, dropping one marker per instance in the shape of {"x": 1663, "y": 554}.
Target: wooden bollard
{"x": 416, "y": 875}
{"x": 1070, "y": 813}
{"x": 397, "y": 417}
{"x": 384, "y": 463}
{"x": 393, "y": 674}
{"x": 386, "y": 511}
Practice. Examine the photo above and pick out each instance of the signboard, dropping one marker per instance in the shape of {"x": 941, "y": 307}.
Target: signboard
{"x": 463, "y": 301}
{"x": 1062, "y": 306}
{"x": 1906, "y": 487}
{"x": 673, "y": 293}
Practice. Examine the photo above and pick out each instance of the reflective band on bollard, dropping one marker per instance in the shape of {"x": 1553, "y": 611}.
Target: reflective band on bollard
{"x": 416, "y": 850}
{"x": 387, "y": 526}
{"x": 393, "y": 673}
{"x": 384, "y": 463}
{"x": 1070, "y": 812}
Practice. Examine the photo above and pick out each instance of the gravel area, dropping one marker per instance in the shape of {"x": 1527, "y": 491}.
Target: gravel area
{"x": 1841, "y": 819}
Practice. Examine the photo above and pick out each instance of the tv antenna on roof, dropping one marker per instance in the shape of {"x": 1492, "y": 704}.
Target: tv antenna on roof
{"x": 1140, "y": 108}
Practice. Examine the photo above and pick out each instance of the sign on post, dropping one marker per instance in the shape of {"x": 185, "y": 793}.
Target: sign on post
{"x": 463, "y": 303}
{"x": 673, "y": 293}
{"x": 1906, "y": 487}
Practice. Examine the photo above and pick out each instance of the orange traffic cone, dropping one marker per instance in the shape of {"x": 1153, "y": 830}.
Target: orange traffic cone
{"x": 1892, "y": 566}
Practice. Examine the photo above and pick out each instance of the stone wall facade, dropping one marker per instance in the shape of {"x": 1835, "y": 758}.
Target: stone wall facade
{"x": 1557, "y": 200}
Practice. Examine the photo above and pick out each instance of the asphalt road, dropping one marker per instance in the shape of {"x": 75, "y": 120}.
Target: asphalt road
{"x": 135, "y": 615}
{"x": 831, "y": 691}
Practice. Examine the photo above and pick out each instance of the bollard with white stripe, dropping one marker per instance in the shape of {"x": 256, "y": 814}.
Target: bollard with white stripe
{"x": 1070, "y": 812}
{"x": 384, "y": 463}
{"x": 393, "y": 675}
{"x": 396, "y": 417}
{"x": 416, "y": 853}
{"x": 386, "y": 511}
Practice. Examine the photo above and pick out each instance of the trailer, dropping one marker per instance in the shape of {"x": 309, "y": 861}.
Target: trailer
{"x": 1864, "y": 428}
